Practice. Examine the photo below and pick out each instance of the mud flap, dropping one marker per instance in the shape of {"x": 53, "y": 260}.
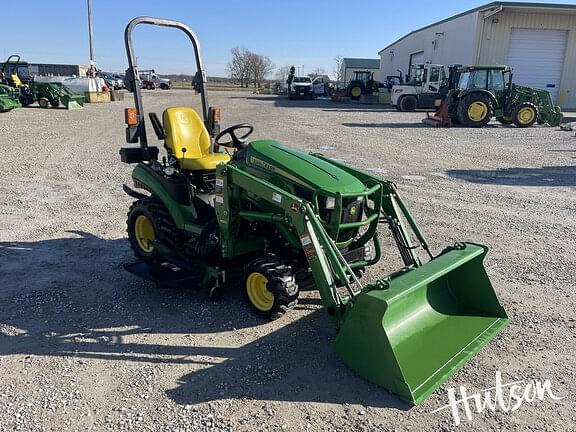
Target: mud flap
{"x": 412, "y": 333}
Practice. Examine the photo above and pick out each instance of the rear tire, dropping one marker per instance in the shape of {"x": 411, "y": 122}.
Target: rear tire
{"x": 43, "y": 102}
{"x": 149, "y": 223}
{"x": 525, "y": 115}
{"x": 408, "y": 103}
{"x": 475, "y": 110}
{"x": 269, "y": 287}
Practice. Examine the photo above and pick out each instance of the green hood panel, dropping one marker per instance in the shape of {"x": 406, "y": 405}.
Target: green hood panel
{"x": 301, "y": 168}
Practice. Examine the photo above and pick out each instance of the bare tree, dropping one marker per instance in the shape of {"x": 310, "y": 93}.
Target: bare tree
{"x": 282, "y": 73}
{"x": 260, "y": 68}
{"x": 338, "y": 69}
{"x": 239, "y": 66}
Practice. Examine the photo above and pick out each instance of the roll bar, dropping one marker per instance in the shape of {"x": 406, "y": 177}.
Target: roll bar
{"x": 133, "y": 75}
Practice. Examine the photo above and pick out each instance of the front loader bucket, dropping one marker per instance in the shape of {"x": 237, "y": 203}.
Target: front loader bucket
{"x": 72, "y": 102}
{"x": 413, "y": 335}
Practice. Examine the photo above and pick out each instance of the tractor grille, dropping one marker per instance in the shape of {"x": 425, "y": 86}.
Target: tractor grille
{"x": 352, "y": 210}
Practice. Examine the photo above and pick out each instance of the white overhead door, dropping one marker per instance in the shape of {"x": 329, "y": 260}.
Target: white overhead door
{"x": 537, "y": 57}
{"x": 416, "y": 58}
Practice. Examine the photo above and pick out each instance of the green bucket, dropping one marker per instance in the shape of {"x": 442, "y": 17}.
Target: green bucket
{"x": 72, "y": 101}
{"x": 413, "y": 333}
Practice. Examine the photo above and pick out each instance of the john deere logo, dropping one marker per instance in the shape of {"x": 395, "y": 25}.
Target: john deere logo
{"x": 353, "y": 211}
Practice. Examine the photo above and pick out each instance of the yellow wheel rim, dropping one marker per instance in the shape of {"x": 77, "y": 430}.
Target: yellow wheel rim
{"x": 258, "y": 293}
{"x": 356, "y": 91}
{"x": 526, "y": 115}
{"x": 477, "y": 111}
{"x": 144, "y": 232}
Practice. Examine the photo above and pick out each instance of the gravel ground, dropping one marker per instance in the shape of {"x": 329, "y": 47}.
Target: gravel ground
{"x": 86, "y": 346}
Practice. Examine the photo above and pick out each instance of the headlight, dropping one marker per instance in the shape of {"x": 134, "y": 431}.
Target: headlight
{"x": 330, "y": 203}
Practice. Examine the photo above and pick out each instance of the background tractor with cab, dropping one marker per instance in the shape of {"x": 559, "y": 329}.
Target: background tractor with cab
{"x": 486, "y": 92}
{"x": 363, "y": 83}
{"x": 219, "y": 210}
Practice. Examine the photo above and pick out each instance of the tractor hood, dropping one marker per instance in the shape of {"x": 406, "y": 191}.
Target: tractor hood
{"x": 300, "y": 168}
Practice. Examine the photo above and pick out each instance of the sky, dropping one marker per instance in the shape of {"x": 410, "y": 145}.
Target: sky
{"x": 300, "y": 33}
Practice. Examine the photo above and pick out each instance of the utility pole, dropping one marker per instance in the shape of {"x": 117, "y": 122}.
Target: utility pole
{"x": 91, "y": 40}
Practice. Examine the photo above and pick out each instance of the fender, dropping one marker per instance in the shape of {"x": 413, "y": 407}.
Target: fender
{"x": 464, "y": 93}
{"x": 174, "y": 193}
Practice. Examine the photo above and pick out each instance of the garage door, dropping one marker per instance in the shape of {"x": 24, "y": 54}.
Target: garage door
{"x": 416, "y": 58}
{"x": 537, "y": 57}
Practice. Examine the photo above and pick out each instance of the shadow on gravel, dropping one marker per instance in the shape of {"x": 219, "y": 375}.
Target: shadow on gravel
{"x": 70, "y": 297}
{"x": 545, "y": 176}
{"x": 386, "y": 125}
{"x": 295, "y": 363}
{"x": 325, "y": 104}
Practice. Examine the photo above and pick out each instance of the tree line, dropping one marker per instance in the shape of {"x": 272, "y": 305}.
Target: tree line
{"x": 247, "y": 67}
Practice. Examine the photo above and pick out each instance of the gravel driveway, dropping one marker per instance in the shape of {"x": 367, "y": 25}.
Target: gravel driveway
{"x": 86, "y": 346}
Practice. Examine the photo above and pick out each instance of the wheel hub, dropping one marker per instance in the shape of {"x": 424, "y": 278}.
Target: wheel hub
{"x": 258, "y": 293}
{"x": 144, "y": 232}
{"x": 477, "y": 111}
{"x": 526, "y": 115}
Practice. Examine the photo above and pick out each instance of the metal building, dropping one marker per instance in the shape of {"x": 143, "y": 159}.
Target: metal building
{"x": 538, "y": 40}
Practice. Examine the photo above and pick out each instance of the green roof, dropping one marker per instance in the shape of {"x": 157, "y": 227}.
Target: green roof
{"x": 487, "y": 6}
{"x": 360, "y": 63}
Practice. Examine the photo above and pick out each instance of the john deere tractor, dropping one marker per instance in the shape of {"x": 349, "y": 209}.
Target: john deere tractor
{"x": 219, "y": 210}
{"x": 16, "y": 74}
{"x": 362, "y": 83}
{"x": 484, "y": 92}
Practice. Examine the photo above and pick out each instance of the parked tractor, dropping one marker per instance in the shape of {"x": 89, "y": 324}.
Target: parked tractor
{"x": 219, "y": 210}
{"x": 16, "y": 74}
{"x": 484, "y": 92}
{"x": 363, "y": 83}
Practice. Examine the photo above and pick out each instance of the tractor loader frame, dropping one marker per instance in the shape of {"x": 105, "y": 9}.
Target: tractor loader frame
{"x": 270, "y": 213}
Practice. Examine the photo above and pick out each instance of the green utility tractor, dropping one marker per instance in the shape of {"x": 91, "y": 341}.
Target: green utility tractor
{"x": 218, "y": 210}
{"x": 16, "y": 74}
{"x": 484, "y": 92}
{"x": 363, "y": 83}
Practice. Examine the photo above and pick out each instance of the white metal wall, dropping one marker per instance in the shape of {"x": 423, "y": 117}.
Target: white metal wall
{"x": 494, "y": 45}
{"x": 446, "y": 43}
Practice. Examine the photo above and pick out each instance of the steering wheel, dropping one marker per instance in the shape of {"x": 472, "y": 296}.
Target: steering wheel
{"x": 237, "y": 142}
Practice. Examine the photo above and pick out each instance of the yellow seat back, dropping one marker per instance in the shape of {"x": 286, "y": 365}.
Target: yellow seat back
{"x": 185, "y": 129}
{"x": 16, "y": 80}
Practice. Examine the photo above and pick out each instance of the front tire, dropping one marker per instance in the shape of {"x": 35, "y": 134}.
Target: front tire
{"x": 408, "y": 103}
{"x": 475, "y": 110}
{"x": 269, "y": 287}
{"x": 525, "y": 115}
{"x": 43, "y": 102}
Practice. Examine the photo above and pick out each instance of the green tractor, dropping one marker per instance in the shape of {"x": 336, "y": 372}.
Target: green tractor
{"x": 484, "y": 92}
{"x": 363, "y": 83}
{"x": 219, "y": 210}
{"x": 16, "y": 74}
